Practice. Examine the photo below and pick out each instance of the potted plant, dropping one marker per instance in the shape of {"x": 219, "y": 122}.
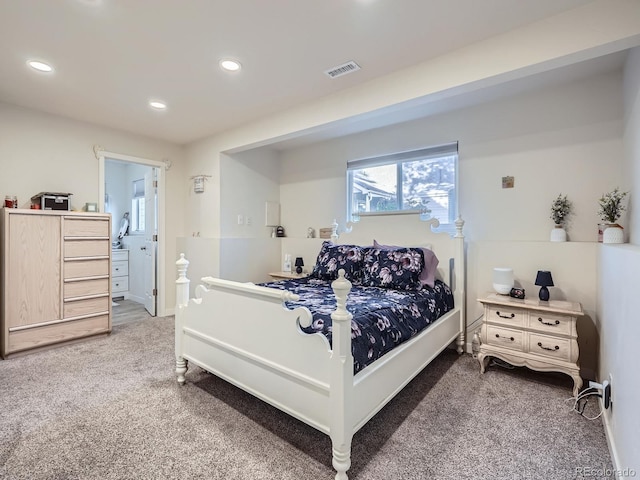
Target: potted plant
{"x": 611, "y": 208}
{"x": 560, "y": 210}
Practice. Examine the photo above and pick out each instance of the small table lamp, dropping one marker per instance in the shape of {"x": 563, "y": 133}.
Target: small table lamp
{"x": 544, "y": 280}
{"x": 299, "y": 265}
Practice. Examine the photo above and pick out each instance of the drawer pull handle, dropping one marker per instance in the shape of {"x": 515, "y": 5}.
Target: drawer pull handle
{"x": 547, "y": 348}
{"x": 506, "y": 316}
{"x": 557, "y": 322}
{"x": 508, "y": 338}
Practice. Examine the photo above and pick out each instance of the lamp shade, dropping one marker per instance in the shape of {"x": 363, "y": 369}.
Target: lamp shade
{"x": 299, "y": 262}
{"x": 544, "y": 280}
{"x": 502, "y": 280}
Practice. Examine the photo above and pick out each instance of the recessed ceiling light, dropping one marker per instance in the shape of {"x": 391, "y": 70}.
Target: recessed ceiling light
{"x": 158, "y": 105}
{"x": 40, "y": 66}
{"x": 230, "y": 65}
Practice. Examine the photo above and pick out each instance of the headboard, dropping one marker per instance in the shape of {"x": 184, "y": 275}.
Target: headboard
{"x": 408, "y": 230}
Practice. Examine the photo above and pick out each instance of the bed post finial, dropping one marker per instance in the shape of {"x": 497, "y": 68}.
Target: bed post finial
{"x": 334, "y": 231}
{"x": 459, "y": 224}
{"x": 182, "y": 283}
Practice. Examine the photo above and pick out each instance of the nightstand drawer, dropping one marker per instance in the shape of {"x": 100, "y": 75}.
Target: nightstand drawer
{"x": 504, "y": 337}
{"x": 551, "y": 324}
{"x": 506, "y": 316}
{"x": 552, "y": 347}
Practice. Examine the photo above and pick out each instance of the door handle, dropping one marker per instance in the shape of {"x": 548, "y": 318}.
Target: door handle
{"x": 143, "y": 248}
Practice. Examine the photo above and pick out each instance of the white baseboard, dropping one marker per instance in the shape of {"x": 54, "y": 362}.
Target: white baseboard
{"x": 610, "y": 443}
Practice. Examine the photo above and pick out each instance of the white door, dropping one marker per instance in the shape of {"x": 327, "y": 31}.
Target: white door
{"x": 150, "y": 241}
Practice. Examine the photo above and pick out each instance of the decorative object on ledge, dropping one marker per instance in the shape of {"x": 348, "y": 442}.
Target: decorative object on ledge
{"x": 502, "y": 280}
{"x": 326, "y": 232}
{"x": 280, "y": 231}
{"x": 610, "y": 210}
{"x": 299, "y": 264}
{"x": 517, "y": 293}
{"x": 311, "y": 233}
{"x": 560, "y": 210}
{"x": 544, "y": 280}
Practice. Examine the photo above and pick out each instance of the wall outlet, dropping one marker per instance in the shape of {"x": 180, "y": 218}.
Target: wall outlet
{"x": 240, "y": 220}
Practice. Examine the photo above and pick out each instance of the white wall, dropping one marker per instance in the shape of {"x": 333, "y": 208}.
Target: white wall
{"x": 566, "y": 139}
{"x": 618, "y": 300}
{"x": 42, "y": 152}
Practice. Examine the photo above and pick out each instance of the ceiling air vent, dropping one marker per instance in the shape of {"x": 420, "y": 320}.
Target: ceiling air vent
{"x": 342, "y": 69}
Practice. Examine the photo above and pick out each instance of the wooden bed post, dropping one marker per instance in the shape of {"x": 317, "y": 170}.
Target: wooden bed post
{"x": 460, "y": 297}
{"x": 182, "y": 300}
{"x": 341, "y": 392}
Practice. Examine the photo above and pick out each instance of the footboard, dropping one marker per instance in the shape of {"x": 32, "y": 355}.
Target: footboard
{"x": 244, "y": 334}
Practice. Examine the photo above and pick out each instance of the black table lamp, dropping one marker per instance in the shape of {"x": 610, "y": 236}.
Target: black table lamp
{"x": 300, "y": 264}
{"x": 544, "y": 280}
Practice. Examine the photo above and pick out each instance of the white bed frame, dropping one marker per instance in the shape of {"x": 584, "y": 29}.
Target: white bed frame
{"x": 244, "y": 334}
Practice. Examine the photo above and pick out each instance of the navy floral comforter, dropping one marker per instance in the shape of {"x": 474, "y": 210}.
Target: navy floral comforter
{"x": 382, "y": 318}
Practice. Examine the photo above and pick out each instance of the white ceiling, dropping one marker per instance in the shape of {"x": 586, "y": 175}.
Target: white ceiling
{"x": 112, "y": 56}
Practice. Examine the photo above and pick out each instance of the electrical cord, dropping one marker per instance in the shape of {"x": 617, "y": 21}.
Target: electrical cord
{"x": 584, "y": 395}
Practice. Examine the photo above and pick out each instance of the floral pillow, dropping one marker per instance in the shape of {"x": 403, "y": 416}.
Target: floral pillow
{"x": 398, "y": 268}
{"x": 428, "y": 274}
{"x": 334, "y": 257}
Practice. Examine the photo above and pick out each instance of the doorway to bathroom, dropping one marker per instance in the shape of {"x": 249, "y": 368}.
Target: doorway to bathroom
{"x": 132, "y": 190}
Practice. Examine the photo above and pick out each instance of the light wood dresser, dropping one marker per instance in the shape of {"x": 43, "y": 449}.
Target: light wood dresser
{"x": 55, "y": 277}
{"x": 532, "y": 333}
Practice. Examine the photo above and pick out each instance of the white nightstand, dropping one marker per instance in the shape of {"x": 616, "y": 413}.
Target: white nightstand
{"x": 287, "y": 275}
{"x": 532, "y": 333}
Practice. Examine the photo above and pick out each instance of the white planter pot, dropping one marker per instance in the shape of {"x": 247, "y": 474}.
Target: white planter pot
{"x": 613, "y": 234}
{"x": 558, "y": 234}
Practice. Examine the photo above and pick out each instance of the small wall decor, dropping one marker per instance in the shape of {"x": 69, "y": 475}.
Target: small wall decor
{"x": 198, "y": 182}
{"x": 508, "y": 182}
{"x": 311, "y": 233}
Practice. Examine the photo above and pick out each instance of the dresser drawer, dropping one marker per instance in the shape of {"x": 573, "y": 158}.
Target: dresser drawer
{"x": 49, "y": 334}
{"x": 86, "y": 287}
{"x": 119, "y": 255}
{"x": 76, "y": 227}
{"x": 552, "y": 347}
{"x": 86, "y": 268}
{"x": 506, "y": 316}
{"x": 551, "y": 324}
{"x": 78, "y": 308}
{"x": 86, "y": 248}
{"x": 119, "y": 285}
{"x": 120, "y": 269}
{"x": 504, "y": 337}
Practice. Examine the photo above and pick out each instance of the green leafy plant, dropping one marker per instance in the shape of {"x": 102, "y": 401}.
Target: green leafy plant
{"x": 611, "y": 206}
{"x": 560, "y": 209}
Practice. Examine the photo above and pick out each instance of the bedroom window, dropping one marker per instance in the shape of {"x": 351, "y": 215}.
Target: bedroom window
{"x": 420, "y": 181}
{"x": 137, "y": 206}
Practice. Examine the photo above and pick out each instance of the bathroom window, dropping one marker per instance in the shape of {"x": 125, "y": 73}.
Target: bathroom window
{"x": 137, "y": 206}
